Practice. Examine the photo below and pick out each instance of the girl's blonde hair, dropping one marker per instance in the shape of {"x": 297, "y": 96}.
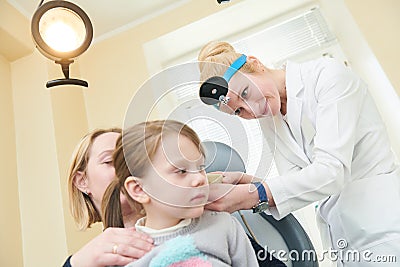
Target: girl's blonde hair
{"x": 133, "y": 155}
{"x": 215, "y": 57}
{"x": 81, "y": 206}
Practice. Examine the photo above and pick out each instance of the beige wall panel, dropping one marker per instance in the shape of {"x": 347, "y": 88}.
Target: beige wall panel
{"x": 379, "y": 22}
{"x": 10, "y": 225}
{"x": 70, "y": 125}
{"x": 42, "y": 218}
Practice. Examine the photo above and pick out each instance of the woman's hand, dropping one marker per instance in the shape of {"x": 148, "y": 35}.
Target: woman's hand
{"x": 114, "y": 246}
{"x": 230, "y": 198}
{"x": 236, "y": 193}
{"x": 237, "y": 178}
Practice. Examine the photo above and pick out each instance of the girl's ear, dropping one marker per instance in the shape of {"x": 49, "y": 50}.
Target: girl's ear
{"x": 80, "y": 181}
{"x": 135, "y": 190}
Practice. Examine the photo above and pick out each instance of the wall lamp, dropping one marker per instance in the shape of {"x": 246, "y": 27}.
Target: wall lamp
{"x": 61, "y": 31}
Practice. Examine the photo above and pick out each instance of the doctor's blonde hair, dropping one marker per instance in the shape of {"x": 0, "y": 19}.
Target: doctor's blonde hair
{"x": 215, "y": 58}
{"x": 135, "y": 150}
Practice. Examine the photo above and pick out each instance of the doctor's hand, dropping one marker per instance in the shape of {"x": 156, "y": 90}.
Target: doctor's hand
{"x": 237, "y": 178}
{"x": 114, "y": 246}
{"x": 230, "y": 198}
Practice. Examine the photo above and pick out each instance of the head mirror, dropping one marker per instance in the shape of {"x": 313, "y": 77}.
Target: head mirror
{"x": 214, "y": 90}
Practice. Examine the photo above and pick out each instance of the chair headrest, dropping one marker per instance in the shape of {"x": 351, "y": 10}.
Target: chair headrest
{"x": 222, "y": 157}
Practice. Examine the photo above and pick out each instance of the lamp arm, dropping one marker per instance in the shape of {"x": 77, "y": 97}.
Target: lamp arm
{"x": 41, "y": 2}
{"x": 65, "y": 66}
{"x": 65, "y": 70}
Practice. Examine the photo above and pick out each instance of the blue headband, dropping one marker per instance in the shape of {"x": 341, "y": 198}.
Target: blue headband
{"x": 236, "y": 65}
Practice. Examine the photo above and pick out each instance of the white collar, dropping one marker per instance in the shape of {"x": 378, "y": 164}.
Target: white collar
{"x": 154, "y": 232}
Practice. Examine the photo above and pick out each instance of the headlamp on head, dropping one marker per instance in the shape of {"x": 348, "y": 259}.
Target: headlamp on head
{"x": 214, "y": 90}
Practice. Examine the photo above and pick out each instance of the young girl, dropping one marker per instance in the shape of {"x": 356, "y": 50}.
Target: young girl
{"x": 160, "y": 168}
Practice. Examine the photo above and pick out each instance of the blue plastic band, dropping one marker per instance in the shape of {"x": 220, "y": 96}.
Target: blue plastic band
{"x": 236, "y": 65}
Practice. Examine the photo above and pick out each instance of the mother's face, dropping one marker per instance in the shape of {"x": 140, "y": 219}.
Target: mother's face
{"x": 252, "y": 95}
{"x": 100, "y": 170}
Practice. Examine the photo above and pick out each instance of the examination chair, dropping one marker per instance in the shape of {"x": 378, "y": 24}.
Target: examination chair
{"x": 286, "y": 234}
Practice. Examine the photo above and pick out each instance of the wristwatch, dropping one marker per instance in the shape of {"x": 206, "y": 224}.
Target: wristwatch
{"x": 262, "y": 204}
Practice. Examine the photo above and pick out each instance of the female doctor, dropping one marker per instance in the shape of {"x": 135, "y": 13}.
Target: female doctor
{"x": 330, "y": 146}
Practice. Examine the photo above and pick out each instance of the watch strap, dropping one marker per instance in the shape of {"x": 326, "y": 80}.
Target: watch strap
{"x": 262, "y": 204}
{"x": 262, "y": 194}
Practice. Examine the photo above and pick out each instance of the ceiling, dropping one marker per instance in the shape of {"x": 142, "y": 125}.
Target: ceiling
{"x": 109, "y": 17}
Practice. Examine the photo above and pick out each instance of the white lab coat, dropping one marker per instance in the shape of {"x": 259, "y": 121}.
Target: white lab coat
{"x": 332, "y": 147}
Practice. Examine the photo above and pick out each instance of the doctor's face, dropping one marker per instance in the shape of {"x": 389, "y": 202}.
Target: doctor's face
{"x": 252, "y": 95}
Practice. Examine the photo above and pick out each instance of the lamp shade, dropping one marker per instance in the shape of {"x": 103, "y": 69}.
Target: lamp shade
{"x": 61, "y": 30}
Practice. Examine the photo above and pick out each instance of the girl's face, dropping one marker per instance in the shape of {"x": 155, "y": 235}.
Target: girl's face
{"x": 252, "y": 95}
{"x": 176, "y": 182}
{"x": 100, "y": 170}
